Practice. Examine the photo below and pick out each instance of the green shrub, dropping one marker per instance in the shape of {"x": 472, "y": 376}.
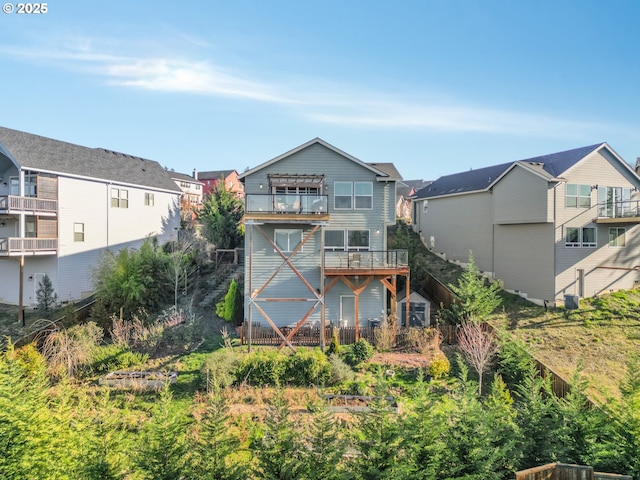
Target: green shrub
{"x": 439, "y": 366}
{"x": 513, "y": 361}
{"x": 108, "y": 358}
{"x": 308, "y": 367}
{"x": 266, "y": 367}
{"x": 334, "y": 345}
{"x": 340, "y": 371}
{"x": 219, "y": 370}
{"x": 355, "y": 387}
{"x": 359, "y": 352}
{"x": 30, "y": 359}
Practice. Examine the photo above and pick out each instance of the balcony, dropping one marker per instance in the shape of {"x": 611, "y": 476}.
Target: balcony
{"x": 376, "y": 262}
{"x": 13, "y": 247}
{"x": 623, "y": 212}
{"x": 11, "y": 204}
{"x": 286, "y": 208}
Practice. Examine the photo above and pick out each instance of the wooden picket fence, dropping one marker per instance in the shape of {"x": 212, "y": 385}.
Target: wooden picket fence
{"x": 562, "y": 471}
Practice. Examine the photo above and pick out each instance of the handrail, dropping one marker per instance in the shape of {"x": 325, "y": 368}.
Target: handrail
{"x": 285, "y": 203}
{"x": 14, "y": 244}
{"x": 620, "y": 209}
{"x": 30, "y": 204}
{"x": 366, "y": 259}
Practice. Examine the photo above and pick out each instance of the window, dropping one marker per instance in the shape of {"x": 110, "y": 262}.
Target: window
{"x": 425, "y": 206}
{"x": 572, "y": 237}
{"x": 334, "y": 239}
{"x": 614, "y": 202}
{"x": 119, "y": 198}
{"x": 580, "y": 237}
{"x": 358, "y": 239}
{"x": 617, "y": 236}
{"x": 342, "y": 192}
{"x": 288, "y": 240}
{"x": 363, "y": 195}
{"x": 578, "y": 196}
{"x": 148, "y": 199}
{"x": 589, "y": 237}
{"x": 78, "y": 232}
{"x": 30, "y": 228}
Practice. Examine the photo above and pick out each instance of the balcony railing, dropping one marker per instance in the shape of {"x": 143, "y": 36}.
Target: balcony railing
{"x": 366, "y": 260}
{"x": 16, "y": 246}
{"x": 622, "y": 209}
{"x": 285, "y": 203}
{"x": 12, "y": 203}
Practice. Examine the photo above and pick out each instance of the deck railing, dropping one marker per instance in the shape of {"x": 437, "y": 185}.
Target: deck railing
{"x": 285, "y": 203}
{"x": 621, "y": 209}
{"x": 13, "y": 203}
{"x": 366, "y": 259}
{"x": 28, "y": 245}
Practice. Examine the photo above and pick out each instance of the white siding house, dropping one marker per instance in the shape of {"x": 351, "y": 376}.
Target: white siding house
{"x": 316, "y": 242}
{"x": 564, "y": 224}
{"x": 63, "y": 205}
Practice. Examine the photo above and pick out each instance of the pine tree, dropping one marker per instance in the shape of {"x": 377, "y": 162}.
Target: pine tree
{"x": 221, "y": 216}
{"x": 46, "y": 297}
{"x": 227, "y": 309}
{"x": 325, "y": 447}
{"x": 212, "y": 446}
{"x": 477, "y": 299}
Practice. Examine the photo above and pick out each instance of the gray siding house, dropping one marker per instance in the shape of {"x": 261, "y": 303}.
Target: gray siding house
{"x": 63, "y": 205}
{"x": 316, "y": 242}
{"x": 564, "y": 224}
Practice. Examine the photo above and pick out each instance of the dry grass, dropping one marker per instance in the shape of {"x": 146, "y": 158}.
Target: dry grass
{"x": 601, "y": 336}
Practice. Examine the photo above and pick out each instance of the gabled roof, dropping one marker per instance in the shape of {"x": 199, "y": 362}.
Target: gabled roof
{"x": 549, "y": 166}
{"x": 388, "y": 168}
{"x": 214, "y": 174}
{"x": 33, "y": 152}
{"x": 408, "y": 188}
{"x": 319, "y": 141}
{"x": 183, "y": 176}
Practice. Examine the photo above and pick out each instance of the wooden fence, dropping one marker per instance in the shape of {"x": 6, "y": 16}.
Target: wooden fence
{"x": 562, "y": 471}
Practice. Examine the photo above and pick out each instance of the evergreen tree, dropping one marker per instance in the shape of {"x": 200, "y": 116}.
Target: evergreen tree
{"x": 221, "y": 216}
{"x": 213, "y": 446}
{"x": 46, "y": 297}
{"x": 275, "y": 449}
{"x": 325, "y": 447}
{"x": 230, "y": 308}
{"x": 477, "y": 298}
{"x": 161, "y": 451}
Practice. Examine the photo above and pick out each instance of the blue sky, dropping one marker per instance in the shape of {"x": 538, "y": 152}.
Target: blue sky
{"x": 435, "y": 87}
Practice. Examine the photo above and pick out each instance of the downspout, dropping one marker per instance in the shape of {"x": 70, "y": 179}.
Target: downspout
{"x": 555, "y": 246}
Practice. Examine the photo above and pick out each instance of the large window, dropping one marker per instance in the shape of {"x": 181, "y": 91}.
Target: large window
{"x": 363, "y": 194}
{"x": 78, "y": 232}
{"x": 288, "y": 239}
{"x": 580, "y": 237}
{"x": 617, "y": 236}
{"x": 578, "y": 196}
{"x": 334, "y": 239}
{"x": 342, "y": 195}
{"x": 358, "y": 239}
{"x": 614, "y": 201}
{"x": 119, "y": 198}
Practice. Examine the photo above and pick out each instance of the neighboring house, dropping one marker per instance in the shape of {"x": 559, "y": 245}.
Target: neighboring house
{"x": 405, "y": 191}
{"x": 191, "y": 189}
{"x": 564, "y": 224}
{"x": 230, "y": 178}
{"x": 63, "y": 205}
{"x": 316, "y": 244}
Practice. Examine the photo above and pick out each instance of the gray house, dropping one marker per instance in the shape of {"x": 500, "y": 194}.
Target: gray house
{"x": 62, "y": 205}
{"x": 563, "y": 225}
{"x": 316, "y": 243}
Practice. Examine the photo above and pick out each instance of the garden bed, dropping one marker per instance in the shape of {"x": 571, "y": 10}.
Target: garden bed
{"x": 138, "y": 379}
{"x": 356, "y": 403}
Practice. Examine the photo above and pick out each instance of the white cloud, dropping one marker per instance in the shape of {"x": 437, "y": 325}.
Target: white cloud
{"x": 346, "y": 105}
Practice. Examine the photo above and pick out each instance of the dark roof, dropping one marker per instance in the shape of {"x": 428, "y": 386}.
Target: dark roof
{"x": 214, "y": 174}
{"x": 554, "y": 164}
{"x": 388, "y": 168}
{"x": 407, "y": 188}
{"x": 46, "y": 154}
{"x": 183, "y": 176}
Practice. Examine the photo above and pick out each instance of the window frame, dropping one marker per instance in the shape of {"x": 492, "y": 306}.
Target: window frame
{"x": 119, "y": 198}
{"x": 576, "y": 197}
{"x": 335, "y": 248}
{"x": 289, "y": 232}
{"x": 575, "y": 243}
{"x": 585, "y": 244}
{"x": 78, "y": 235}
{"x": 357, "y": 197}
{"x": 149, "y": 199}
{"x": 358, "y": 248}
{"x": 615, "y": 243}
{"x": 336, "y": 195}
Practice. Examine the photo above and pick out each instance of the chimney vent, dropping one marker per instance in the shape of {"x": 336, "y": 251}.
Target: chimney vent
{"x": 195, "y": 174}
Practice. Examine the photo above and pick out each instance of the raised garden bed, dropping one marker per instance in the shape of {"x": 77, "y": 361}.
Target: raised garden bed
{"x": 356, "y": 403}
{"x": 138, "y": 379}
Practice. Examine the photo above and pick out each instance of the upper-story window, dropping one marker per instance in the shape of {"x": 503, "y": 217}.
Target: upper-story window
{"x": 119, "y": 198}
{"x": 614, "y": 201}
{"x": 287, "y": 240}
{"x": 578, "y": 196}
{"x": 149, "y": 199}
{"x": 363, "y": 195}
{"x": 350, "y": 195}
{"x": 78, "y": 232}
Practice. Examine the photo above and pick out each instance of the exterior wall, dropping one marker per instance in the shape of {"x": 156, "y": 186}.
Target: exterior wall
{"x": 522, "y": 196}
{"x": 523, "y": 259}
{"x": 605, "y": 268}
{"x": 316, "y": 160}
{"x": 459, "y": 224}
